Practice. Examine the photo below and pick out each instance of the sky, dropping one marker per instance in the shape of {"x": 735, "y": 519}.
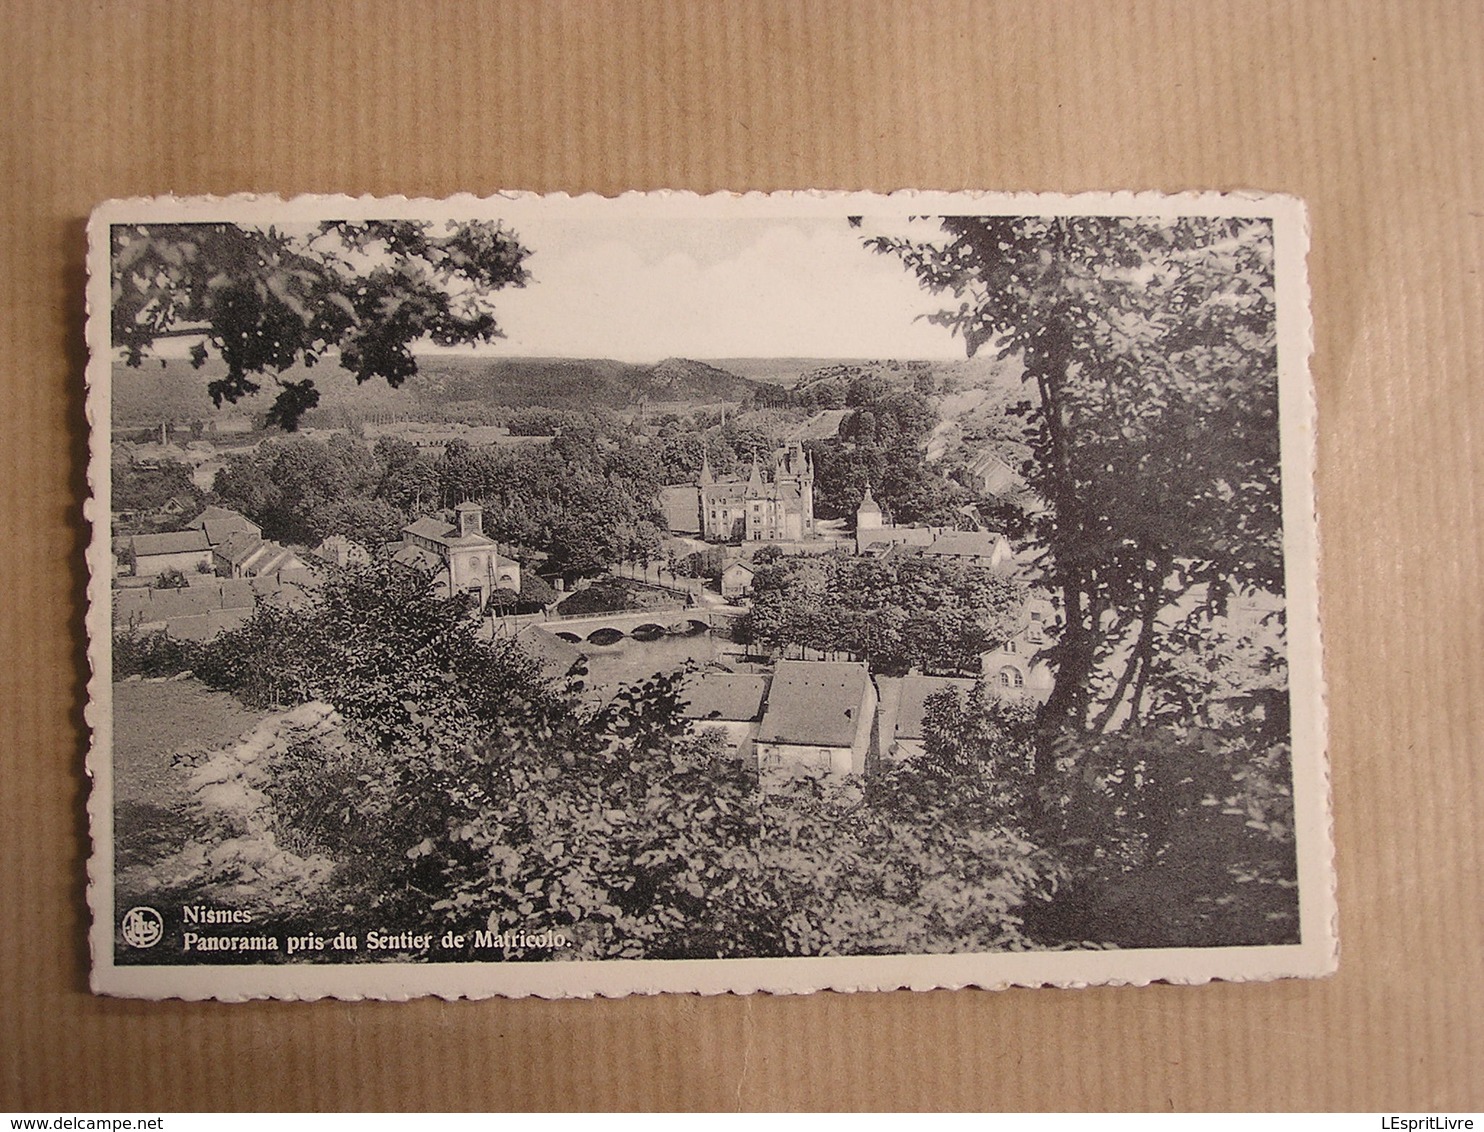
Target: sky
{"x": 640, "y": 290}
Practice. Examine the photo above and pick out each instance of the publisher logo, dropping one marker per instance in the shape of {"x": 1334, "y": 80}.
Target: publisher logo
{"x": 143, "y": 927}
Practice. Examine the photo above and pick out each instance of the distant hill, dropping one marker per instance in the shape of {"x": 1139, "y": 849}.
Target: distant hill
{"x": 573, "y": 383}
{"x": 172, "y": 390}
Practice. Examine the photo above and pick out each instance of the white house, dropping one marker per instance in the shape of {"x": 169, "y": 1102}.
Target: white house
{"x": 185, "y": 551}
{"x": 818, "y": 717}
{"x": 729, "y": 702}
{"x": 736, "y": 579}
{"x": 1012, "y": 667}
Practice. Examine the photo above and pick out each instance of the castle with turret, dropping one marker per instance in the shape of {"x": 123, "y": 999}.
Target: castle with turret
{"x": 775, "y": 502}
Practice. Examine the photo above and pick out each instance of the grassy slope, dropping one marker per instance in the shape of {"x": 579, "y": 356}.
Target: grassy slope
{"x": 153, "y": 722}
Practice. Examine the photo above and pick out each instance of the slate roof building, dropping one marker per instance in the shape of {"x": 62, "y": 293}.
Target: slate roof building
{"x": 729, "y": 702}
{"x": 220, "y": 523}
{"x": 463, "y": 558}
{"x": 185, "y": 551}
{"x": 243, "y": 554}
{"x": 774, "y": 503}
{"x": 993, "y": 474}
{"x": 736, "y": 579}
{"x": 343, "y": 552}
{"x": 818, "y": 717}
{"x": 200, "y": 612}
{"x": 988, "y": 550}
{"x": 903, "y": 711}
{"x": 874, "y": 536}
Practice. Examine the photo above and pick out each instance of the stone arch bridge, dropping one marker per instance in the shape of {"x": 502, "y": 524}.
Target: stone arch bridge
{"x": 643, "y": 625}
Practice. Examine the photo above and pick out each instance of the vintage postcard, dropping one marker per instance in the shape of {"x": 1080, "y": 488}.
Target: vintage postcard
{"x": 570, "y": 596}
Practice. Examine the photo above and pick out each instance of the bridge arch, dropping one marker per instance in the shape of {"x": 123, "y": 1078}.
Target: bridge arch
{"x": 607, "y": 635}
{"x": 647, "y": 632}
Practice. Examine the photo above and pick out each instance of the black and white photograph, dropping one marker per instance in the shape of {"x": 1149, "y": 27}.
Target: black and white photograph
{"x": 572, "y": 596}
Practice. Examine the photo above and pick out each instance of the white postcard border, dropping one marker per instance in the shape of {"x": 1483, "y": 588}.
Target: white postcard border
{"x": 1316, "y": 955}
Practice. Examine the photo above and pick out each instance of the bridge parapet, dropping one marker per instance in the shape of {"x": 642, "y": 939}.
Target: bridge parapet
{"x": 646, "y": 624}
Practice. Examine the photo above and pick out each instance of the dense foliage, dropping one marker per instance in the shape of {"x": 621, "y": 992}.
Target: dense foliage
{"x": 461, "y": 791}
{"x": 147, "y": 490}
{"x": 1151, "y": 350}
{"x": 919, "y": 612}
{"x": 265, "y": 300}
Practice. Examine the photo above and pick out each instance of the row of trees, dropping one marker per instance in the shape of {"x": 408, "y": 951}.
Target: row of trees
{"x": 911, "y": 613}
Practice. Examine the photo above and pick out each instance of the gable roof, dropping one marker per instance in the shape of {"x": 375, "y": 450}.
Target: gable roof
{"x": 445, "y": 534}
{"x": 965, "y": 544}
{"x": 421, "y": 557}
{"x": 916, "y": 691}
{"x": 171, "y": 542}
{"x": 730, "y": 696}
{"x": 740, "y": 564}
{"x": 815, "y": 703}
{"x": 238, "y": 546}
{"x": 220, "y": 522}
{"x": 429, "y": 527}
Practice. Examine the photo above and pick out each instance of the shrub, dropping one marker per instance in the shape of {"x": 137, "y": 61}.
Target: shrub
{"x": 154, "y": 654}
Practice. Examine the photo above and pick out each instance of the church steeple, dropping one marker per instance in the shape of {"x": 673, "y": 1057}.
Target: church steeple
{"x": 706, "y": 478}
{"x": 868, "y": 514}
{"x": 755, "y": 481}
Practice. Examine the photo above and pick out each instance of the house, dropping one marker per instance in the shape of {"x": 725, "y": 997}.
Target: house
{"x": 729, "y": 702}
{"x": 185, "y": 551}
{"x": 818, "y": 717}
{"x": 991, "y": 474}
{"x": 736, "y": 579}
{"x": 463, "y": 558}
{"x": 903, "y": 711}
{"x": 985, "y": 549}
{"x": 874, "y": 535}
{"x": 1014, "y": 667}
{"x": 175, "y": 505}
{"x": 220, "y": 523}
{"x": 200, "y": 612}
{"x": 775, "y": 503}
{"x": 245, "y": 555}
{"x": 343, "y": 552}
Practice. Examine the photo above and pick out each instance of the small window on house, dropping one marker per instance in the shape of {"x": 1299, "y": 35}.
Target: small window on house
{"x": 1010, "y": 677}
